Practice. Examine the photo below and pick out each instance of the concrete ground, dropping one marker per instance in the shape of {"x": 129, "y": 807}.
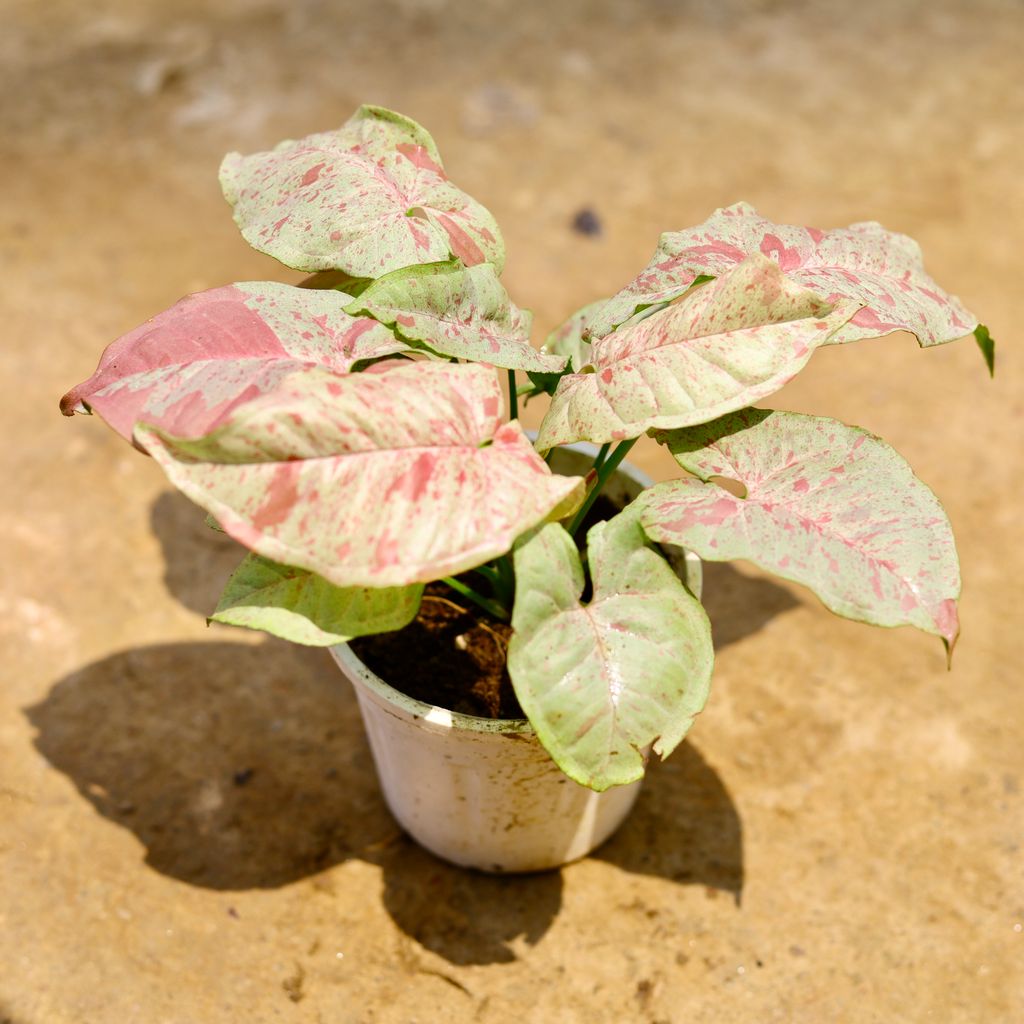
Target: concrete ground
{"x": 190, "y": 830}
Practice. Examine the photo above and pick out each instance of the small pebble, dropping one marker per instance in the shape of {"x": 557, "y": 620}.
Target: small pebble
{"x": 586, "y": 222}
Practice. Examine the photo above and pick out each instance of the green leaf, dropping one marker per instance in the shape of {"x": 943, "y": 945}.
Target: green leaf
{"x": 827, "y": 505}
{"x": 302, "y": 607}
{"x": 456, "y": 311}
{"x": 213, "y": 524}
{"x": 543, "y": 383}
{"x": 987, "y": 344}
{"x": 605, "y": 681}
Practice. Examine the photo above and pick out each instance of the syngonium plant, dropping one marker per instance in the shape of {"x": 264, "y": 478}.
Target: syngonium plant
{"x": 352, "y": 432}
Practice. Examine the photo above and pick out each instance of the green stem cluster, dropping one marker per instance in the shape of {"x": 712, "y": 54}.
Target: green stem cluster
{"x": 489, "y": 605}
{"x": 605, "y": 465}
{"x": 500, "y": 574}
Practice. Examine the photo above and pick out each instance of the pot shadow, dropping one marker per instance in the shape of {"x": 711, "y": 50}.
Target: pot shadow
{"x": 684, "y": 827}
{"x": 237, "y": 766}
{"x": 245, "y": 766}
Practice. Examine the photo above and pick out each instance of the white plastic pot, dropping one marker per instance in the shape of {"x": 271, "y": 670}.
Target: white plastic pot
{"x": 480, "y": 792}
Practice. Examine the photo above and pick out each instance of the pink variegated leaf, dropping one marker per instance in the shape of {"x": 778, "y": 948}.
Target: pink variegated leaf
{"x": 731, "y": 342}
{"x": 456, "y": 311}
{"x": 376, "y": 131}
{"x": 189, "y": 366}
{"x": 827, "y": 505}
{"x": 881, "y": 270}
{"x": 356, "y": 200}
{"x": 402, "y": 474}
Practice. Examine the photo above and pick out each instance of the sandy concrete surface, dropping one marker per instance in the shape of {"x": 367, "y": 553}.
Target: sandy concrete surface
{"x": 189, "y": 826}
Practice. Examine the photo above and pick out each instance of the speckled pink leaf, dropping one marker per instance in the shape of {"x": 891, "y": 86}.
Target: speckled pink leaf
{"x": 401, "y": 474}
{"x": 731, "y": 342}
{"x": 456, "y": 311}
{"x": 189, "y": 366}
{"x": 603, "y": 682}
{"x": 376, "y": 131}
{"x": 356, "y": 200}
{"x": 827, "y": 505}
{"x": 881, "y": 270}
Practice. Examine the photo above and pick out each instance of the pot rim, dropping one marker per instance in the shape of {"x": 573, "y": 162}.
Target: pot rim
{"x": 430, "y": 713}
{"x": 442, "y": 717}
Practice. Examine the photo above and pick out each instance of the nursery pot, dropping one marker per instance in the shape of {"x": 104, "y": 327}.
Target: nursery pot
{"x": 481, "y": 792}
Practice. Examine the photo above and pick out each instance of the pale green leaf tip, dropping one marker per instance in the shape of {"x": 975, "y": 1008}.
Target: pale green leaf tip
{"x": 987, "y": 344}
{"x": 226, "y": 176}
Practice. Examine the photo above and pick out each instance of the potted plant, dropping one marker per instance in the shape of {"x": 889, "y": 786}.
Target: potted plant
{"x": 352, "y": 433}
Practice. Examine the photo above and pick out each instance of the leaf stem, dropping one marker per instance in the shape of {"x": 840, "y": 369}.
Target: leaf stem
{"x": 601, "y": 456}
{"x": 607, "y": 468}
{"x": 513, "y": 397}
{"x": 491, "y": 607}
{"x": 489, "y": 573}
{"x": 507, "y": 577}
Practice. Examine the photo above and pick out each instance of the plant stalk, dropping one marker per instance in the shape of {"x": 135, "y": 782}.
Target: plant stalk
{"x": 492, "y": 608}
{"x": 607, "y": 468}
{"x": 507, "y": 580}
{"x": 513, "y": 397}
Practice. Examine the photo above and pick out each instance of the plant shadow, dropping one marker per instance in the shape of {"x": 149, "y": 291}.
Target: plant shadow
{"x": 244, "y": 765}
{"x": 197, "y": 559}
{"x": 739, "y": 605}
{"x": 685, "y": 827}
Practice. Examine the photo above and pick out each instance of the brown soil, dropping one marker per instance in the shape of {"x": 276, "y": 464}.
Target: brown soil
{"x": 453, "y": 654}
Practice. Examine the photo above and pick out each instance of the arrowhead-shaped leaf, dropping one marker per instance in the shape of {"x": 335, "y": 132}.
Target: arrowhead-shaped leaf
{"x": 881, "y": 270}
{"x": 359, "y": 200}
{"x": 730, "y": 343}
{"x": 397, "y": 475}
{"x": 302, "y": 607}
{"x": 602, "y": 682}
{"x": 189, "y": 366}
{"x": 827, "y": 505}
{"x": 456, "y": 311}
